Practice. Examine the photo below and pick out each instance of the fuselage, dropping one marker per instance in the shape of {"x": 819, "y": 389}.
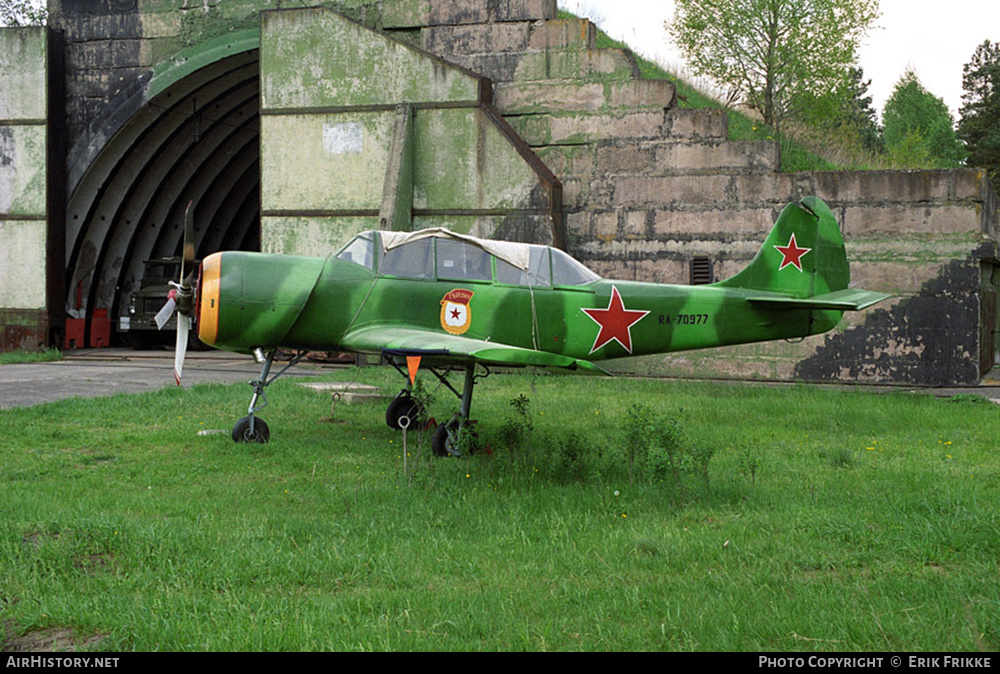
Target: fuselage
{"x": 251, "y": 300}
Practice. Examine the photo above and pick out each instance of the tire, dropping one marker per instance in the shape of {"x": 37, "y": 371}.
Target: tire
{"x": 402, "y": 406}
{"x": 454, "y": 439}
{"x": 241, "y": 431}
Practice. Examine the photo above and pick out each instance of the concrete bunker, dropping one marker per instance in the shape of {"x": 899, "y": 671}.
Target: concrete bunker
{"x": 292, "y": 129}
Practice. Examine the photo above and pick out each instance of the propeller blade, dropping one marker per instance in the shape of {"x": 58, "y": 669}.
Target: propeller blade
{"x": 164, "y": 314}
{"x": 183, "y": 327}
{"x": 188, "y": 255}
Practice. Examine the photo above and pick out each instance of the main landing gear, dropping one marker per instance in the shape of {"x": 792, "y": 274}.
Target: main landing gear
{"x": 250, "y": 428}
{"x": 453, "y": 438}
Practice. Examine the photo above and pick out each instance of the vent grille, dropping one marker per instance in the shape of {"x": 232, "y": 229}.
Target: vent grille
{"x": 701, "y": 271}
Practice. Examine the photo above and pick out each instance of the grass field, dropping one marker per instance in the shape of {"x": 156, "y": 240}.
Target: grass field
{"x": 826, "y": 520}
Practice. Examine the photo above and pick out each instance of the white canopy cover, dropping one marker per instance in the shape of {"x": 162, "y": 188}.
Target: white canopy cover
{"x": 513, "y": 253}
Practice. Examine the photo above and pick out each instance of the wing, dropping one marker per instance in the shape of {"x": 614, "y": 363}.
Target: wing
{"x": 444, "y": 348}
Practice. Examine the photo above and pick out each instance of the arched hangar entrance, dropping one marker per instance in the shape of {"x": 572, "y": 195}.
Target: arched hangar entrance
{"x": 195, "y": 138}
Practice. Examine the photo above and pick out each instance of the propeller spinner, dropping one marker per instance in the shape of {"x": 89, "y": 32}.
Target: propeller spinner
{"x": 181, "y": 297}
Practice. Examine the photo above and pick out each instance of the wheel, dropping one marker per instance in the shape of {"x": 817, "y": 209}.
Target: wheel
{"x": 241, "y": 431}
{"x": 402, "y": 406}
{"x": 444, "y": 442}
{"x": 453, "y": 439}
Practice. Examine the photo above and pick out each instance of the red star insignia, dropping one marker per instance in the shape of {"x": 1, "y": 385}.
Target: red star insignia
{"x": 792, "y": 254}
{"x": 616, "y": 322}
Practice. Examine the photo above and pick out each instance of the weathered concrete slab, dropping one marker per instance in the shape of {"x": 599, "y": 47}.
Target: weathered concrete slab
{"x": 416, "y": 13}
{"x": 477, "y": 38}
{"x": 311, "y": 235}
{"x": 673, "y": 157}
{"x": 522, "y": 98}
{"x": 690, "y": 123}
{"x": 318, "y": 58}
{"x": 24, "y": 232}
{"x": 562, "y": 34}
{"x": 23, "y": 169}
{"x": 22, "y": 74}
{"x": 572, "y": 128}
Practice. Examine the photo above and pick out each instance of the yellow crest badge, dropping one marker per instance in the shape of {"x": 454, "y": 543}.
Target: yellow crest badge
{"x": 455, "y": 314}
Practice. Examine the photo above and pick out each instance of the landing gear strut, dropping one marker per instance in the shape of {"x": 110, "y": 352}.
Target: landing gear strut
{"x": 250, "y": 428}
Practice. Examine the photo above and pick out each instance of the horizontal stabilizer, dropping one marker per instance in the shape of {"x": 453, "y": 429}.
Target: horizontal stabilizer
{"x": 849, "y": 299}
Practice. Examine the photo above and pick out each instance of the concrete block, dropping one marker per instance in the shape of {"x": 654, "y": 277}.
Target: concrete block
{"x": 893, "y": 220}
{"x": 524, "y": 10}
{"x": 22, "y": 169}
{"x": 574, "y": 128}
{"x": 625, "y": 157}
{"x": 567, "y": 64}
{"x": 689, "y": 123}
{"x": 969, "y": 184}
{"x": 22, "y": 73}
{"x": 714, "y": 155}
{"x": 449, "y": 41}
{"x": 562, "y": 34}
{"x": 450, "y": 12}
{"x": 881, "y": 186}
{"x": 724, "y": 225}
{"x": 517, "y": 98}
{"x": 656, "y": 157}
{"x": 759, "y": 188}
{"x": 664, "y": 190}
{"x": 642, "y": 93}
{"x": 161, "y": 24}
{"x": 635, "y": 224}
{"x": 317, "y": 58}
{"x": 414, "y": 13}
{"x": 578, "y": 224}
{"x": 605, "y": 225}
{"x": 22, "y": 263}
{"x": 499, "y": 67}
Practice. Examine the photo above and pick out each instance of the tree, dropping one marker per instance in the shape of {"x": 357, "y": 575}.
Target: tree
{"x": 775, "y": 53}
{"x": 919, "y": 129}
{"x": 22, "y": 12}
{"x": 846, "y": 118}
{"x": 857, "y": 113}
{"x": 979, "y": 123}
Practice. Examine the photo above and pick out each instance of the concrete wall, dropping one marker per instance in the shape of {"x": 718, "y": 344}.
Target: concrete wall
{"x": 926, "y": 237}
{"x": 361, "y": 131}
{"x": 23, "y": 174}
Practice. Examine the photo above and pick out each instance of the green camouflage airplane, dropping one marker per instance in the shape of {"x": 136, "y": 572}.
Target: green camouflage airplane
{"x": 449, "y": 299}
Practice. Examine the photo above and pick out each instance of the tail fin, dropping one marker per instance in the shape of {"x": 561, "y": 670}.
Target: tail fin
{"x": 802, "y": 256}
{"x": 803, "y": 264}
